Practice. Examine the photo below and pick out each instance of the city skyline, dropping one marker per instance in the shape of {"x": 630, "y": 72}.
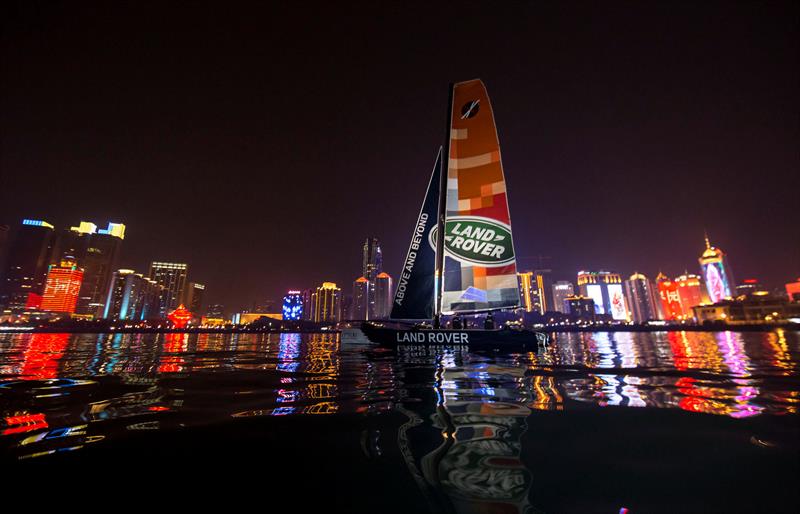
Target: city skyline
{"x": 623, "y": 140}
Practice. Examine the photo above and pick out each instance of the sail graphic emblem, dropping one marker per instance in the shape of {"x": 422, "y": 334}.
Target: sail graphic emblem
{"x": 476, "y": 240}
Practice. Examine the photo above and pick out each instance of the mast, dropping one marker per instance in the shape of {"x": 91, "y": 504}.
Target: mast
{"x": 445, "y": 167}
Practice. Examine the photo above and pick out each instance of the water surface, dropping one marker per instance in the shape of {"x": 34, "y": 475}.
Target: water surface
{"x": 651, "y": 422}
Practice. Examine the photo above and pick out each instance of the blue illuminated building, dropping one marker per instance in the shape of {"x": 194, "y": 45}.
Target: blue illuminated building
{"x": 293, "y": 306}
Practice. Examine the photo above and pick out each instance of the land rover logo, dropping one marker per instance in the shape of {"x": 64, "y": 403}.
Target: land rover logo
{"x": 476, "y": 240}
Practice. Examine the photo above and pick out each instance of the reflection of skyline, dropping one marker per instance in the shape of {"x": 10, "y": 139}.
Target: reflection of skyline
{"x": 75, "y": 380}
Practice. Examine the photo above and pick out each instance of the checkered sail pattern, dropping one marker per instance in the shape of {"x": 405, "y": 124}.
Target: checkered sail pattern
{"x": 476, "y": 202}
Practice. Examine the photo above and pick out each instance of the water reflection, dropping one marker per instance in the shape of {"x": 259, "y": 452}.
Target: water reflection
{"x": 59, "y": 392}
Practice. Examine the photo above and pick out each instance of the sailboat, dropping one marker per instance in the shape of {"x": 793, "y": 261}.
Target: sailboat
{"x": 472, "y": 268}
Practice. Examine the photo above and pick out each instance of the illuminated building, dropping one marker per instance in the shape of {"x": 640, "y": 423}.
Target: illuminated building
{"x": 27, "y": 264}
{"x": 793, "y": 290}
{"x": 172, "y": 276}
{"x": 327, "y": 300}
{"x": 97, "y": 252}
{"x": 690, "y": 292}
{"x": 748, "y": 287}
{"x": 371, "y": 259}
{"x": 216, "y": 311}
{"x": 534, "y": 290}
{"x": 292, "y": 306}
{"x": 670, "y": 299}
{"x": 717, "y": 273}
{"x": 360, "y": 299}
{"x": 62, "y": 287}
{"x": 580, "y": 307}
{"x": 561, "y": 290}
{"x": 245, "y": 318}
{"x": 180, "y": 317}
{"x": 132, "y": 296}
{"x": 116, "y": 293}
{"x": 193, "y": 296}
{"x": 525, "y": 280}
{"x": 641, "y": 296}
{"x": 383, "y": 296}
{"x": 760, "y": 307}
{"x": 605, "y": 288}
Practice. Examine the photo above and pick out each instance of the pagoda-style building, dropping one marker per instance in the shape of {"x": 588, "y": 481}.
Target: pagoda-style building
{"x": 180, "y": 317}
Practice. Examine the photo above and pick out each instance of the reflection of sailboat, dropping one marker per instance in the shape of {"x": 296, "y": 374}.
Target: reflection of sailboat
{"x": 472, "y": 268}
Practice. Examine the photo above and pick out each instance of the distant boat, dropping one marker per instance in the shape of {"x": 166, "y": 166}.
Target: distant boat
{"x": 466, "y": 200}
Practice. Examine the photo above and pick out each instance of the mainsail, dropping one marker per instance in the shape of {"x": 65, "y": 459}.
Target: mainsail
{"x": 413, "y": 298}
{"x": 480, "y": 271}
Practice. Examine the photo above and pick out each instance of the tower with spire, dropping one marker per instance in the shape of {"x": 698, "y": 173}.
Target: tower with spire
{"x": 716, "y": 273}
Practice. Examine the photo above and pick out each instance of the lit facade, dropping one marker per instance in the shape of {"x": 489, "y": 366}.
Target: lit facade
{"x": 561, "y": 291}
{"x": 327, "y": 303}
{"x": 62, "y": 287}
{"x": 793, "y": 290}
{"x": 690, "y": 292}
{"x": 180, "y": 317}
{"x": 605, "y": 288}
{"x": 717, "y": 273}
{"x": 133, "y": 297}
{"x": 292, "y": 309}
{"x": 383, "y": 296}
{"x": 525, "y": 280}
{"x": 580, "y": 307}
{"x": 29, "y": 253}
{"x": 641, "y": 296}
{"x": 193, "y": 296}
{"x": 360, "y": 307}
{"x": 172, "y": 277}
{"x": 98, "y": 253}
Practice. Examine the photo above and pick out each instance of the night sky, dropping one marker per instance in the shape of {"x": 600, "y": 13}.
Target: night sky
{"x": 263, "y": 144}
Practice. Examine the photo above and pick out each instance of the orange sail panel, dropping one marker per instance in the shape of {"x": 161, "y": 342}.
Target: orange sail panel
{"x": 480, "y": 271}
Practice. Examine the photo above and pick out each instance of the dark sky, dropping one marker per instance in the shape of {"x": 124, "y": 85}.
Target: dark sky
{"x": 262, "y": 144}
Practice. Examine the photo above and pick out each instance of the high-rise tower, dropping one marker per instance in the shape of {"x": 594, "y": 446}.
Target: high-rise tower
{"x": 27, "y": 265}
{"x": 716, "y": 272}
{"x": 172, "y": 276}
{"x": 642, "y": 298}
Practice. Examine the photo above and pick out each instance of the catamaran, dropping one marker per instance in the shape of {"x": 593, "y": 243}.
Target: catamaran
{"x": 472, "y": 268}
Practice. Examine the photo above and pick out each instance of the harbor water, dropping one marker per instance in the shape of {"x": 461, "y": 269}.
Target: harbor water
{"x": 595, "y": 422}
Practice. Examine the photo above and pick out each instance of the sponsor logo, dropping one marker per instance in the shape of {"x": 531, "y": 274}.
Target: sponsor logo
{"x": 433, "y": 337}
{"x": 411, "y": 258}
{"x": 476, "y": 240}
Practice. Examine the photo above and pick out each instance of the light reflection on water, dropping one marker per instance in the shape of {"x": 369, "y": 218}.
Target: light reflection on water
{"x": 59, "y": 392}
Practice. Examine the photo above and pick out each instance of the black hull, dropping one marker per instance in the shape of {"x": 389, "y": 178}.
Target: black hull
{"x": 498, "y": 339}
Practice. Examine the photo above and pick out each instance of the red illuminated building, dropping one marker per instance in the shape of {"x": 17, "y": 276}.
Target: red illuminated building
{"x": 670, "y": 299}
{"x": 180, "y": 317}
{"x": 793, "y": 290}
{"x": 62, "y": 287}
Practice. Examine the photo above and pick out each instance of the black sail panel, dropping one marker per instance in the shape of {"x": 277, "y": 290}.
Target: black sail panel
{"x": 413, "y": 298}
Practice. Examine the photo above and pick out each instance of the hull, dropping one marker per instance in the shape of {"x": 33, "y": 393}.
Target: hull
{"x": 499, "y": 339}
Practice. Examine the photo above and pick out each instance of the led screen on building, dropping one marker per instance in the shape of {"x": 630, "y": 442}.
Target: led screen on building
{"x": 615, "y": 298}
{"x": 293, "y": 306}
{"x": 716, "y": 282}
{"x": 595, "y": 292}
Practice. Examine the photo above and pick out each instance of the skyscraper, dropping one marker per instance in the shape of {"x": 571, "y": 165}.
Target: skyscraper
{"x": 132, "y": 296}
{"x": 360, "y": 307}
{"x": 383, "y": 296}
{"x": 97, "y": 252}
{"x": 690, "y": 292}
{"x": 641, "y": 296}
{"x": 193, "y": 297}
{"x": 27, "y": 265}
{"x": 717, "y": 273}
{"x": 561, "y": 291}
{"x": 525, "y": 280}
{"x": 605, "y": 288}
{"x": 62, "y": 287}
{"x": 327, "y": 303}
{"x": 172, "y": 276}
{"x": 371, "y": 259}
{"x": 670, "y": 299}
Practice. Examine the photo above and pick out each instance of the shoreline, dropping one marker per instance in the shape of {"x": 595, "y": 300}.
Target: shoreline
{"x": 611, "y": 328}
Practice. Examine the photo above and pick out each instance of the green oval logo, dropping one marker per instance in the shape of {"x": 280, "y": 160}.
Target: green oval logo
{"x": 476, "y": 240}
